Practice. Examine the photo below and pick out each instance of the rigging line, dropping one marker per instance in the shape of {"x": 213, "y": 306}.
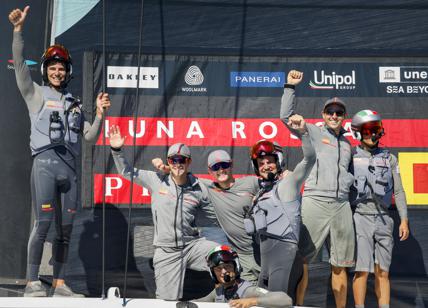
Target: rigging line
{"x": 134, "y": 140}
{"x": 103, "y": 130}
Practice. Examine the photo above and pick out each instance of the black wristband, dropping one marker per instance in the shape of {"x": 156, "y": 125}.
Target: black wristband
{"x": 289, "y": 86}
{"x": 116, "y": 149}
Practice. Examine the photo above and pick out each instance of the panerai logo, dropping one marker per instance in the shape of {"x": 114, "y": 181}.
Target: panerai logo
{"x": 324, "y": 81}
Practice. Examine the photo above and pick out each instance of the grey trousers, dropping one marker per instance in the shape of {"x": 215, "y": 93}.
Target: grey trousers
{"x": 170, "y": 266}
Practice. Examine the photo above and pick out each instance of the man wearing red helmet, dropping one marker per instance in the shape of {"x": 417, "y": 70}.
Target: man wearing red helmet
{"x": 377, "y": 177}
{"x": 275, "y": 213}
{"x": 225, "y": 270}
{"x": 57, "y": 127}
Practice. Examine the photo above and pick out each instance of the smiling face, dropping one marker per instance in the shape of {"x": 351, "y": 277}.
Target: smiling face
{"x": 267, "y": 164}
{"x": 221, "y": 172}
{"x": 224, "y": 269}
{"x": 179, "y": 165}
{"x": 333, "y": 116}
{"x": 56, "y": 74}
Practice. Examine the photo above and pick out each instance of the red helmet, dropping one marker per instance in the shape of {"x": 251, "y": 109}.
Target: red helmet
{"x": 263, "y": 148}
{"x": 57, "y": 53}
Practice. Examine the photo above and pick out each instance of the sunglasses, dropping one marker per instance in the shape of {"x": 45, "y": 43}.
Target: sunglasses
{"x": 223, "y": 165}
{"x": 372, "y": 128}
{"x": 174, "y": 160}
{"x": 332, "y": 111}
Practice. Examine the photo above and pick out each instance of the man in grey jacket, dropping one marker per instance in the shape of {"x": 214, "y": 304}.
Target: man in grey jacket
{"x": 229, "y": 196}
{"x": 176, "y": 200}
{"x": 57, "y": 127}
{"x": 326, "y": 212}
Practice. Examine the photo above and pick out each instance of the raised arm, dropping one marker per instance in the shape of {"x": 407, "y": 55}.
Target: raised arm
{"x": 30, "y": 91}
{"x": 141, "y": 177}
{"x": 291, "y": 184}
{"x": 400, "y": 200}
{"x": 288, "y": 97}
{"x": 92, "y": 131}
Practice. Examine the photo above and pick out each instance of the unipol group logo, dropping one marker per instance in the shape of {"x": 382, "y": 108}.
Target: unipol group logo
{"x": 194, "y": 78}
{"x": 333, "y": 80}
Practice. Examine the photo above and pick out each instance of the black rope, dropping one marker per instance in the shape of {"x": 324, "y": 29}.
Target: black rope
{"x": 134, "y": 140}
{"x": 103, "y": 130}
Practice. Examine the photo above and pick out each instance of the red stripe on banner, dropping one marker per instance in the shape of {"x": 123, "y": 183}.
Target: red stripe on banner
{"x": 406, "y": 133}
{"x": 420, "y": 178}
{"x": 118, "y": 188}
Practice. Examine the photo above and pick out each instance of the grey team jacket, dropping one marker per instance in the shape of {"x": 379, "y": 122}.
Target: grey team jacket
{"x": 41, "y": 99}
{"x": 329, "y": 176}
{"x": 174, "y": 208}
{"x": 264, "y": 297}
{"x": 376, "y": 166}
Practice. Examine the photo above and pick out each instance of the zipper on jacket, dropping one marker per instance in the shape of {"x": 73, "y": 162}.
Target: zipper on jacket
{"x": 316, "y": 178}
{"x": 175, "y": 216}
{"x": 338, "y": 166}
{"x": 156, "y": 222}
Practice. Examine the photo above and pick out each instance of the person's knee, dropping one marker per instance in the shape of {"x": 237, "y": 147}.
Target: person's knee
{"x": 42, "y": 229}
{"x": 336, "y": 270}
{"x": 64, "y": 236}
{"x": 359, "y": 275}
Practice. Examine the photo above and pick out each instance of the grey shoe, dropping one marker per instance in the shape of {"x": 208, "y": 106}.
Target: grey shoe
{"x": 64, "y": 291}
{"x": 35, "y": 289}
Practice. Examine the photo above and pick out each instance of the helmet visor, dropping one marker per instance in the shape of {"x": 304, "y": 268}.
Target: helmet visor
{"x": 220, "y": 257}
{"x": 371, "y": 128}
{"x": 57, "y": 52}
{"x": 262, "y": 148}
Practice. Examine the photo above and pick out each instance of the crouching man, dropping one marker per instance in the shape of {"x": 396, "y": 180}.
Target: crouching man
{"x": 225, "y": 270}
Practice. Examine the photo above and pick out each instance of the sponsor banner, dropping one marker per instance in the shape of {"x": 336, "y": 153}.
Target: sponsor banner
{"x": 117, "y": 189}
{"x": 127, "y": 77}
{"x": 245, "y": 132}
{"x": 257, "y": 79}
{"x": 185, "y": 76}
{"x": 414, "y": 175}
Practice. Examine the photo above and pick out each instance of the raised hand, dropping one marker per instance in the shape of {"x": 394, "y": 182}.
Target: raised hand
{"x": 103, "y": 103}
{"x": 116, "y": 139}
{"x": 159, "y": 165}
{"x": 297, "y": 122}
{"x": 294, "y": 77}
{"x": 17, "y": 18}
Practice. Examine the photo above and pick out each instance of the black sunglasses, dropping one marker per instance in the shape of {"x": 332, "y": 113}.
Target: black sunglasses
{"x": 332, "y": 111}
{"x": 222, "y": 165}
{"x": 177, "y": 160}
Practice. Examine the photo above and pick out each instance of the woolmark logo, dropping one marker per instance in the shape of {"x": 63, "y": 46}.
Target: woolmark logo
{"x": 127, "y": 77}
{"x": 194, "y": 76}
{"x": 324, "y": 81}
{"x": 257, "y": 79}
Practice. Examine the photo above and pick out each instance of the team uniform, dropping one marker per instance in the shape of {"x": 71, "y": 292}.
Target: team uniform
{"x": 276, "y": 217}
{"x": 245, "y": 289}
{"x": 178, "y": 244}
{"x": 326, "y": 212}
{"x": 377, "y": 177}
{"x": 57, "y": 125}
{"x": 229, "y": 207}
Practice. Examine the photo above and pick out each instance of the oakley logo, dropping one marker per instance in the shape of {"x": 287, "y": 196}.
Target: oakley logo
{"x": 127, "y": 77}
